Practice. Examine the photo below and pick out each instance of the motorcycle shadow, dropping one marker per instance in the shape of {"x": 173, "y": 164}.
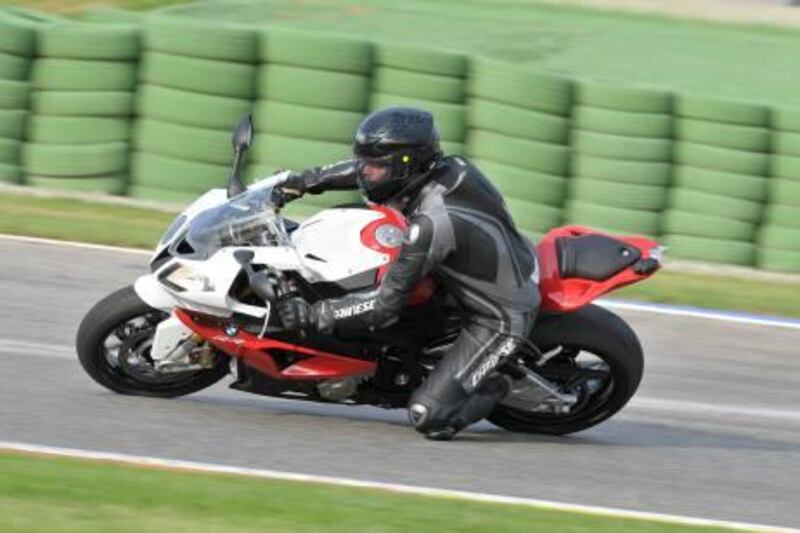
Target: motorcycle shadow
{"x": 615, "y": 433}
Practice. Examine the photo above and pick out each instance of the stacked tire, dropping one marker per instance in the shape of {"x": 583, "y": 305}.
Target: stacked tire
{"x": 778, "y": 238}
{"x": 518, "y": 136}
{"x": 621, "y": 160}
{"x": 17, "y": 46}
{"x": 196, "y": 81}
{"x": 719, "y": 180}
{"x": 83, "y": 80}
{"x": 312, "y": 93}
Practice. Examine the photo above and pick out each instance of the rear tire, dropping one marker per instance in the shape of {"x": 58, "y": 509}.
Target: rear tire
{"x": 603, "y": 334}
{"x": 114, "y": 312}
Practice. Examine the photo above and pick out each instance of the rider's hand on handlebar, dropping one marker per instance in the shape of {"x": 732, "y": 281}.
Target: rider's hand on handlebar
{"x": 288, "y": 191}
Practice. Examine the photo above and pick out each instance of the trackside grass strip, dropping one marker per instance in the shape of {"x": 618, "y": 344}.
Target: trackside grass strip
{"x": 56, "y": 495}
{"x": 717, "y": 292}
{"x": 77, "y": 220}
{"x": 118, "y": 225}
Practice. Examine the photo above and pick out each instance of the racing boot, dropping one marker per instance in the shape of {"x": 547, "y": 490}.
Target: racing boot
{"x": 475, "y": 409}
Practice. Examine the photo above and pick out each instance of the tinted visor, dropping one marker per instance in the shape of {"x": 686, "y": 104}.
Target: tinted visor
{"x": 373, "y": 171}
{"x": 376, "y": 177}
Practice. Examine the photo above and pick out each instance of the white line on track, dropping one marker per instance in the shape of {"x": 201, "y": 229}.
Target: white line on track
{"x": 74, "y": 244}
{"x": 662, "y": 309}
{"x": 189, "y": 466}
{"x": 699, "y": 312}
{"x": 682, "y": 407}
{"x": 22, "y": 347}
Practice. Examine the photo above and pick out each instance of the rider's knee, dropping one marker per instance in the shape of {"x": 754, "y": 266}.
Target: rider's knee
{"x": 430, "y": 413}
{"x": 426, "y": 415}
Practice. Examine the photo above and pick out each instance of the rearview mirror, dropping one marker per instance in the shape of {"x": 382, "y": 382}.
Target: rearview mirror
{"x": 243, "y": 134}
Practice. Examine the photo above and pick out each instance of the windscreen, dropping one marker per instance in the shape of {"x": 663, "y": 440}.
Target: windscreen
{"x": 249, "y": 219}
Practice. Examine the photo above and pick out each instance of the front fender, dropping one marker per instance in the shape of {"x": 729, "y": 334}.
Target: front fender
{"x": 154, "y": 294}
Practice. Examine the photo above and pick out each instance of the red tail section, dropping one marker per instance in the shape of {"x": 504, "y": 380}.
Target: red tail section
{"x": 575, "y": 270}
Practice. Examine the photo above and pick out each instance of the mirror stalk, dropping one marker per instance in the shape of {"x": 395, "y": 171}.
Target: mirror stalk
{"x": 235, "y": 184}
{"x": 242, "y": 138}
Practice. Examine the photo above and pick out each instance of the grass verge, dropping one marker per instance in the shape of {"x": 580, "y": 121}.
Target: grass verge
{"x": 55, "y": 494}
{"x": 717, "y": 292}
{"x": 77, "y": 220}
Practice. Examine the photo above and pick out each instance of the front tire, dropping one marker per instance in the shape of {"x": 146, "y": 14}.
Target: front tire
{"x": 609, "y": 339}
{"x": 122, "y": 316}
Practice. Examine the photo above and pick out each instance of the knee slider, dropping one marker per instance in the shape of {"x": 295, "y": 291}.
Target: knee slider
{"x": 426, "y": 414}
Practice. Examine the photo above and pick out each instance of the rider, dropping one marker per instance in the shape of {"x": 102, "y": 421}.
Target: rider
{"x": 460, "y": 231}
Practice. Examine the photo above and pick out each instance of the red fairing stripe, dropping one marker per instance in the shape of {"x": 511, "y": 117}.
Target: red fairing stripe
{"x": 255, "y": 352}
{"x": 422, "y": 292}
{"x": 391, "y": 217}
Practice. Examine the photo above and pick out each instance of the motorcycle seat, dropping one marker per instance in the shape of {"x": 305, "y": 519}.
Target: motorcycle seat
{"x": 593, "y": 257}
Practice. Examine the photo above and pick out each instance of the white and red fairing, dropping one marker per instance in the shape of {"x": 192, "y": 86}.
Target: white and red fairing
{"x": 352, "y": 247}
{"x": 337, "y": 244}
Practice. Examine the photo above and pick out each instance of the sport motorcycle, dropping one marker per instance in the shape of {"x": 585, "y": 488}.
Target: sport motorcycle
{"x": 206, "y": 310}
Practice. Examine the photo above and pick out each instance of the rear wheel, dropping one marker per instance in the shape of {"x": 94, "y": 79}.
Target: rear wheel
{"x": 597, "y": 357}
{"x": 113, "y": 345}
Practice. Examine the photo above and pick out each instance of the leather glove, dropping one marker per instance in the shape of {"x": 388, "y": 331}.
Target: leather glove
{"x": 293, "y": 188}
{"x": 296, "y": 314}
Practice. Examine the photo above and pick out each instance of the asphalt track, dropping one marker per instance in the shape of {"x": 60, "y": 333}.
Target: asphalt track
{"x": 714, "y": 431}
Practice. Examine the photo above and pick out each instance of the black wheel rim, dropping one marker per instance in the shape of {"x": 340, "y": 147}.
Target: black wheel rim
{"x": 592, "y": 376}
{"x": 126, "y": 352}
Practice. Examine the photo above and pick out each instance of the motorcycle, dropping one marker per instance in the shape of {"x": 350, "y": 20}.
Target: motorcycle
{"x": 206, "y": 310}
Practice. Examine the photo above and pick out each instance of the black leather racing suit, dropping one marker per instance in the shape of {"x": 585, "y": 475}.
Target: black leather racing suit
{"x": 460, "y": 231}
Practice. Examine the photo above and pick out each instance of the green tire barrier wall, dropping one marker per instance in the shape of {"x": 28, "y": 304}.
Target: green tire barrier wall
{"x": 17, "y": 48}
{"x": 143, "y": 104}
{"x": 195, "y": 82}
{"x": 622, "y": 144}
{"x": 83, "y": 80}
{"x": 778, "y": 238}
{"x": 518, "y": 130}
{"x": 720, "y": 179}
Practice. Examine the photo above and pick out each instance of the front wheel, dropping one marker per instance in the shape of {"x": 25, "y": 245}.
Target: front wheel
{"x": 113, "y": 345}
{"x": 598, "y": 359}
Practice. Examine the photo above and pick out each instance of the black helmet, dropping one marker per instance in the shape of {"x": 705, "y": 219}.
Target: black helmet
{"x": 395, "y": 148}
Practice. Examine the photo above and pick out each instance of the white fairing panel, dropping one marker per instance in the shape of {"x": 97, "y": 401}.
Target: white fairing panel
{"x": 330, "y": 245}
{"x": 170, "y": 333}
{"x": 211, "y": 281}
